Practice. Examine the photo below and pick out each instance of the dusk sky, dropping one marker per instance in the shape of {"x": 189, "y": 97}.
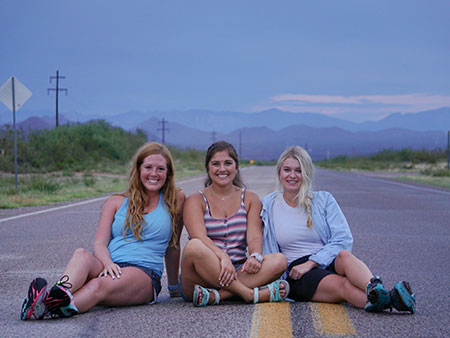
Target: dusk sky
{"x": 358, "y": 60}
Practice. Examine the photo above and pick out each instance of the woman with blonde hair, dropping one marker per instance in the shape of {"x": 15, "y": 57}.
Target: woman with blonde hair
{"x": 310, "y": 229}
{"x": 223, "y": 257}
{"x": 135, "y": 231}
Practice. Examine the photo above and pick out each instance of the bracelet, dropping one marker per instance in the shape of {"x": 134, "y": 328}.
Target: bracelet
{"x": 173, "y": 290}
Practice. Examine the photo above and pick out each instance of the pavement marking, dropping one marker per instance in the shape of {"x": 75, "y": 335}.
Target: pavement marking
{"x": 53, "y": 209}
{"x": 75, "y": 204}
{"x": 331, "y": 319}
{"x": 271, "y": 320}
{"x": 414, "y": 186}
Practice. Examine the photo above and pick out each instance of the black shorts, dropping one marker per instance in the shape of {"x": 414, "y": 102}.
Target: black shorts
{"x": 156, "y": 280}
{"x": 303, "y": 289}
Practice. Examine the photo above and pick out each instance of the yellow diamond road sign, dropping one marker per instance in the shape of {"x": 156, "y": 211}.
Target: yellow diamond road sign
{"x": 21, "y": 93}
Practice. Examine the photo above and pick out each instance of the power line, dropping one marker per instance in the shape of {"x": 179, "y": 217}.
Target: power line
{"x": 57, "y": 90}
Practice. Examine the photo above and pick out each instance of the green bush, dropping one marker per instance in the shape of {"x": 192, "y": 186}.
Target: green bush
{"x": 43, "y": 184}
{"x": 89, "y": 181}
{"x": 409, "y": 155}
{"x": 388, "y": 159}
{"x": 441, "y": 173}
{"x": 71, "y": 147}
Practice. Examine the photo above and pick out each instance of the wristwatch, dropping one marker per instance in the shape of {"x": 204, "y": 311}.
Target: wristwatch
{"x": 258, "y": 256}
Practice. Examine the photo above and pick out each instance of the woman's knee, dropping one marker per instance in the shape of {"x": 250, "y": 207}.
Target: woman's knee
{"x": 344, "y": 258}
{"x": 345, "y": 255}
{"x": 82, "y": 254}
{"x": 194, "y": 248}
{"x": 277, "y": 261}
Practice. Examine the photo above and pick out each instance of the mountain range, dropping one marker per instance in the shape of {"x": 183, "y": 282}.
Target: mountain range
{"x": 264, "y": 135}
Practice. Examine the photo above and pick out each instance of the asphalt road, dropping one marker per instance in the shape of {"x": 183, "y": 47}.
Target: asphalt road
{"x": 401, "y": 231}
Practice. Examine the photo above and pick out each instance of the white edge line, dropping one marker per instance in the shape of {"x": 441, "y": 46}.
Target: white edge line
{"x": 53, "y": 209}
{"x": 412, "y": 186}
{"x": 73, "y": 205}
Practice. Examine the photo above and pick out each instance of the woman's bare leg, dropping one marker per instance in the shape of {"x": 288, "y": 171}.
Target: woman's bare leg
{"x": 272, "y": 267}
{"x": 336, "y": 288}
{"x": 354, "y": 269}
{"x": 132, "y": 288}
{"x": 82, "y": 267}
{"x": 201, "y": 266}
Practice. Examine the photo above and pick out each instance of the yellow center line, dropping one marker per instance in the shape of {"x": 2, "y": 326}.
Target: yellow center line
{"x": 271, "y": 320}
{"x": 331, "y": 319}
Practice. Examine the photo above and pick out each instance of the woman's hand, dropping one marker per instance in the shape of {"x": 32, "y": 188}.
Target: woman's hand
{"x": 298, "y": 271}
{"x": 112, "y": 269}
{"x": 251, "y": 265}
{"x": 227, "y": 272}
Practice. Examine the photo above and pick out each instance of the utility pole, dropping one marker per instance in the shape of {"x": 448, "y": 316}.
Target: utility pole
{"x": 240, "y": 144}
{"x": 57, "y": 89}
{"x": 213, "y": 136}
{"x": 163, "y": 129}
{"x": 448, "y": 149}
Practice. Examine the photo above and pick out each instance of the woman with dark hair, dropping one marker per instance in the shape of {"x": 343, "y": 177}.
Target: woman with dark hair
{"x": 310, "y": 229}
{"x": 135, "y": 231}
{"x": 223, "y": 257}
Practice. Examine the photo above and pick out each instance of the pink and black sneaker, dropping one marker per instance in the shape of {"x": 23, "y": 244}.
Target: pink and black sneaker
{"x": 34, "y": 305}
{"x": 59, "y": 301}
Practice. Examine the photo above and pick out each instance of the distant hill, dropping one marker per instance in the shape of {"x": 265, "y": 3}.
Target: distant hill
{"x": 438, "y": 119}
{"x": 262, "y": 143}
{"x": 275, "y": 119}
{"x": 33, "y": 123}
{"x": 265, "y": 134}
{"x": 227, "y": 121}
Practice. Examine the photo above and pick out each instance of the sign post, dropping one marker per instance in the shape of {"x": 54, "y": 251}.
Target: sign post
{"x": 448, "y": 149}
{"x": 14, "y": 94}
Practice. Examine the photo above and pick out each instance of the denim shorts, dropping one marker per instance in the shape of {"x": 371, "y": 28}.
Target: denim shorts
{"x": 156, "y": 279}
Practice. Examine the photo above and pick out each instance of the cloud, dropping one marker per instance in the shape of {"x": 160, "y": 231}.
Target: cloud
{"x": 369, "y": 106}
{"x": 406, "y": 99}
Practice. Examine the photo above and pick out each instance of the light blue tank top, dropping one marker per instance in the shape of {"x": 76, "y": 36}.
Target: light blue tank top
{"x": 150, "y": 251}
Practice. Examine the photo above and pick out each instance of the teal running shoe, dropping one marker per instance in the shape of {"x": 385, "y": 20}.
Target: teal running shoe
{"x": 402, "y": 298}
{"x": 378, "y": 298}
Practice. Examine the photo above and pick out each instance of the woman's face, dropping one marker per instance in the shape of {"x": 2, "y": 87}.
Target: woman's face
{"x": 153, "y": 172}
{"x": 222, "y": 168}
{"x": 291, "y": 175}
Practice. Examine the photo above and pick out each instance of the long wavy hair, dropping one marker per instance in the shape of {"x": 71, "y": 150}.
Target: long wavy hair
{"x": 218, "y": 147}
{"x": 138, "y": 197}
{"x": 304, "y": 195}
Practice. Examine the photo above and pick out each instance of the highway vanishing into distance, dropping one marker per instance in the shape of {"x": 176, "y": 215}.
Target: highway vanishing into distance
{"x": 401, "y": 230}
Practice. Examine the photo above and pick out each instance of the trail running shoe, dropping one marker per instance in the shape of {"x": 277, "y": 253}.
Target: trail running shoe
{"x": 59, "y": 300}
{"x": 402, "y": 298}
{"x": 378, "y": 298}
{"x": 34, "y": 304}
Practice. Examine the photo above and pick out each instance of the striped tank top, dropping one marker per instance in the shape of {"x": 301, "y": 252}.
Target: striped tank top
{"x": 229, "y": 234}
